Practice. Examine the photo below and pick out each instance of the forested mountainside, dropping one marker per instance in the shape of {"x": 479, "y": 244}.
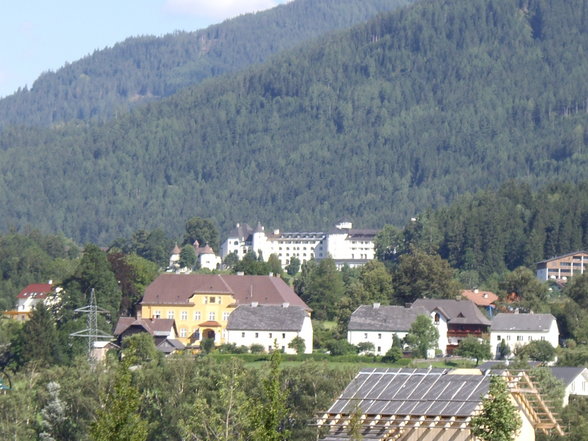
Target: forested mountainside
{"x": 378, "y": 123}
{"x": 139, "y": 69}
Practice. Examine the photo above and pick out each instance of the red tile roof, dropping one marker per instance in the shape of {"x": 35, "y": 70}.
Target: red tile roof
{"x": 210, "y": 324}
{"x": 35, "y": 290}
{"x": 480, "y": 298}
{"x": 176, "y": 289}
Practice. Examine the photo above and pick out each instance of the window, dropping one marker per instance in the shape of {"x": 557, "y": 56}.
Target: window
{"x": 542, "y": 338}
{"x": 283, "y": 335}
{"x": 242, "y": 334}
{"x": 365, "y": 335}
{"x": 184, "y": 315}
{"x": 226, "y": 316}
{"x": 379, "y": 348}
{"x": 211, "y": 316}
{"x": 530, "y": 338}
{"x": 498, "y": 338}
{"x": 157, "y": 314}
{"x": 379, "y": 336}
{"x": 519, "y": 338}
{"x": 182, "y": 332}
{"x": 212, "y": 299}
{"x": 508, "y": 337}
{"x": 257, "y": 335}
{"x": 270, "y": 335}
{"x": 170, "y": 314}
{"x": 196, "y": 315}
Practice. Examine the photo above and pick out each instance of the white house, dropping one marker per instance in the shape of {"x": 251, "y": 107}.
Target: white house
{"x": 31, "y": 296}
{"x": 270, "y": 325}
{"x": 520, "y": 329}
{"x": 346, "y": 245}
{"x": 575, "y": 380}
{"x": 377, "y": 324}
{"x": 207, "y": 259}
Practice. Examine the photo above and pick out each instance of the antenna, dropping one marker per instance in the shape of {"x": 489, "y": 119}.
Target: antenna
{"x": 92, "y": 333}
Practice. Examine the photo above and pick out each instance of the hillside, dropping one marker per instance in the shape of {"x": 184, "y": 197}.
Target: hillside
{"x": 377, "y": 123}
{"x": 148, "y": 68}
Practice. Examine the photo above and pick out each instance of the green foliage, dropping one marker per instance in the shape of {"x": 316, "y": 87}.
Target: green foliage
{"x": 503, "y": 350}
{"x": 298, "y": 345}
{"x": 472, "y": 347}
{"x": 294, "y": 266}
{"x": 140, "y": 348}
{"x": 392, "y": 355}
{"x": 187, "y": 257}
{"x": 251, "y": 265}
{"x": 320, "y": 285}
{"x": 524, "y": 283}
{"x": 207, "y": 345}
{"x": 422, "y": 275}
{"x": 55, "y": 424}
{"x": 340, "y": 347}
{"x": 538, "y": 350}
{"x": 365, "y": 347}
{"x": 422, "y": 336}
{"x": 119, "y": 419}
{"x": 499, "y": 419}
{"x": 256, "y": 348}
{"x": 203, "y": 231}
{"x": 267, "y": 414}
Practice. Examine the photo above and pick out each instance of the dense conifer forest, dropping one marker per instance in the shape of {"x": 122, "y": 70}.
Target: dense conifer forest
{"x": 395, "y": 116}
{"x": 146, "y": 68}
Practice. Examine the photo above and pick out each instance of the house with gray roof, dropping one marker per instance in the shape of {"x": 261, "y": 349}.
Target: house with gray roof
{"x": 427, "y": 405}
{"x": 378, "y": 324}
{"x": 520, "y": 329}
{"x": 163, "y": 331}
{"x": 270, "y": 325}
{"x": 455, "y": 320}
{"x": 574, "y": 379}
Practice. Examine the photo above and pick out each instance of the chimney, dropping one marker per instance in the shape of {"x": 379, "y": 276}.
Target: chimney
{"x": 376, "y": 305}
{"x": 254, "y": 304}
{"x": 476, "y": 291}
{"x": 285, "y": 305}
{"x": 240, "y": 273}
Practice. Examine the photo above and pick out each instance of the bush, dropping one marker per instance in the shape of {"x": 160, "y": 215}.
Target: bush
{"x": 232, "y": 348}
{"x": 256, "y": 348}
{"x": 340, "y": 347}
{"x": 393, "y": 355}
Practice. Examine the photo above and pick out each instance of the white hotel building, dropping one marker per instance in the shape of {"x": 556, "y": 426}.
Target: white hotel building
{"x": 346, "y": 245}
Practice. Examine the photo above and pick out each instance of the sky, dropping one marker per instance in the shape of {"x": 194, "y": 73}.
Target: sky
{"x": 37, "y": 36}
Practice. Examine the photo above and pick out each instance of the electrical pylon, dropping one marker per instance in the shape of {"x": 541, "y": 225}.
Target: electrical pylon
{"x": 92, "y": 333}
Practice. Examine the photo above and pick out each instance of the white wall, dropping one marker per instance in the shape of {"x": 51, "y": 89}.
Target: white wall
{"x": 382, "y": 340}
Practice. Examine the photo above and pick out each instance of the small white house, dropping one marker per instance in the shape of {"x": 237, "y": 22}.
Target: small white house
{"x": 521, "y": 329}
{"x": 575, "y": 380}
{"x": 377, "y": 324}
{"x": 268, "y": 325}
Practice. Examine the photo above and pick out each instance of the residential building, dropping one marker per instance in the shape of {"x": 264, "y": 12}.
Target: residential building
{"x": 163, "y": 331}
{"x": 378, "y": 324}
{"x": 29, "y": 297}
{"x": 270, "y": 326}
{"x": 346, "y": 245}
{"x": 519, "y": 329}
{"x": 205, "y": 255}
{"x": 455, "y": 320}
{"x": 428, "y": 405}
{"x": 575, "y": 380}
{"x": 201, "y": 304}
{"x": 563, "y": 267}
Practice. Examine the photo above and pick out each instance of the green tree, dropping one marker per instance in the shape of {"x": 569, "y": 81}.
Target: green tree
{"x": 119, "y": 419}
{"x": 274, "y": 265}
{"x": 55, "y": 422}
{"x": 472, "y": 347}
{"x": 140, "y": 348}
{"x": 503, "y": 350}
{"x": 187, "y": 257}
{"x": 538, "y": 350}
{"x": 422, "y": 336}
{"x": 267, "y": 417}
{"x": 421, "y": 275}
{"x": 499, "y": 419}
{"x": 355, "y": 426}
{"x": 365, "y": 347}
{"x": 294, "y": 266}
{"x": 532, "y": 292}
{"x": 202, "y": 230}
{"x": 321, "y": 287}
{"x": 298, "y": 345}
{"x": 392, "y": 355}
{"x": 577, "y": 290}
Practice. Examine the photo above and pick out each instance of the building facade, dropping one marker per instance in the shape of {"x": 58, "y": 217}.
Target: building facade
{"x": 520, "y": 329}
{"x": 201, "y": 304}
{"x": 563, "y": 267}
{"x": 271, "y": 326}
{"x": 346, "y": 245}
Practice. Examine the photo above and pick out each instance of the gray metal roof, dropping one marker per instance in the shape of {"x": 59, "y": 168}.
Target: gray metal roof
{"x": 522, "y": 322}
{"x": 384, "y": 318}
{"x": 568, "y": 374}
{"x": 426, "y": 392}
{"x": 266, "y": 318}
{"x": 456, "y": 311}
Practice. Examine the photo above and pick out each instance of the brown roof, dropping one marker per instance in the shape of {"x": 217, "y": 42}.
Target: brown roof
{"x": 152, "y": 326}
{"x": 178, "y": 288}
{"x": 480, "y": 298}
{"x": 210, "y": 324}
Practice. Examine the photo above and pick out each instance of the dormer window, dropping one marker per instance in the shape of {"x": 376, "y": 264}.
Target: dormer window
{"x": 437, "y": 317}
